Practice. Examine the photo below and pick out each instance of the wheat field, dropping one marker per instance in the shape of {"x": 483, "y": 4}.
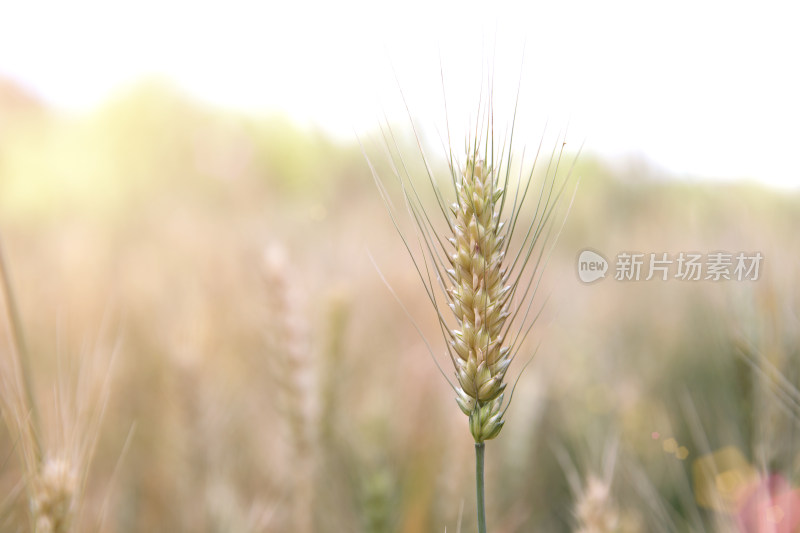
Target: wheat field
{"x": 201, "y": 320}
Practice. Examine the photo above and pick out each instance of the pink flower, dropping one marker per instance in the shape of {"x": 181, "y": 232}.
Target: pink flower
{"x": 769, "y": 505}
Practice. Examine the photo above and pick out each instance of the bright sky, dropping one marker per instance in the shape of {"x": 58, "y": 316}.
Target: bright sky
{"x": 697, "y": 88}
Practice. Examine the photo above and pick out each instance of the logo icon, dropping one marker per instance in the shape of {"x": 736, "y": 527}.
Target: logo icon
{"x": 591, "y": 266}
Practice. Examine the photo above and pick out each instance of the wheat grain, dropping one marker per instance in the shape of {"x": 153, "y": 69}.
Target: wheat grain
{"x": 478, "y": 300}
{"x": 54, "y": 496}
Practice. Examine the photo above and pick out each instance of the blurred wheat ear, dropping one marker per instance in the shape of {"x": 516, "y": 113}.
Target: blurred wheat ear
{"x": 56, "y": 456}
{"x": 481, "y": 254}
{"x": 293, "y": 372}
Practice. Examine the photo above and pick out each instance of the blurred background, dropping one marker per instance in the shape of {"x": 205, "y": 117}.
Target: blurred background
{"x": 189, "y": 183}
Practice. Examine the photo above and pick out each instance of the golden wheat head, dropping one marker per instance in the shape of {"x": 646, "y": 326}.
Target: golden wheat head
{"x": 482, "y": 260}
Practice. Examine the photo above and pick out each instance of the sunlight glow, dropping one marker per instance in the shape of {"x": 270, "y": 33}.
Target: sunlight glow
{"x": 697, "y": 88}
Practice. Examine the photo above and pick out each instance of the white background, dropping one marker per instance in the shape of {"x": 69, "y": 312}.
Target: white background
{"x": 700, "y": 89}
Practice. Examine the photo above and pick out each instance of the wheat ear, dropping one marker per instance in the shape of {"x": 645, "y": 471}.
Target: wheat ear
{"x": 478, "y": 300}
{"x": 55, "y": 470}
{"x": 293, "y": 368}
{"x": 488, "y": 283}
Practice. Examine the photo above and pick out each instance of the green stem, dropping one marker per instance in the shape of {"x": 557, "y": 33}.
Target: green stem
{"x": 479, "y": 451}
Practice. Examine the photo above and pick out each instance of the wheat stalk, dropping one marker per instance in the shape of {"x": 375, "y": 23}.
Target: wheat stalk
{"x": 474, "y": 262}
